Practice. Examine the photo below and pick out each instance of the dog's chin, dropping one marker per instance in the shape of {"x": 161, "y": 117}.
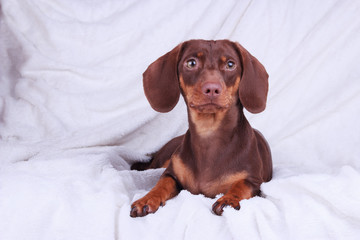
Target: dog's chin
{"x": 207, "y": 108}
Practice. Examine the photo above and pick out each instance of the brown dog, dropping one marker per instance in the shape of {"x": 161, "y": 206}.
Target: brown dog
{"x": 221, "y": 152}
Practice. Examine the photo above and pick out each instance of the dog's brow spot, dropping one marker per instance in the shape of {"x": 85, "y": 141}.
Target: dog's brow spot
{"x": 223, "y": 58}
{"x": 200, "y": 54}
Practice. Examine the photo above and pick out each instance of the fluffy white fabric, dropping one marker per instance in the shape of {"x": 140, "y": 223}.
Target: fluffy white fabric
{"x": 73, "y": 116}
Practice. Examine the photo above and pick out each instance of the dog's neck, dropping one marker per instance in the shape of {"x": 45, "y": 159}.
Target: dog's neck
{"x": 210, "y": 133}
{"x": 207, "y": 125}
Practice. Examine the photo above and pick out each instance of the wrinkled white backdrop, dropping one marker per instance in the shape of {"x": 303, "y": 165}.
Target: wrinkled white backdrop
{"x": 73, "y": 116}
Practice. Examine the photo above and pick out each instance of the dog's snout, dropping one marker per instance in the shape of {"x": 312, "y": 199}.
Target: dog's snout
{"x": 211, "y": 89}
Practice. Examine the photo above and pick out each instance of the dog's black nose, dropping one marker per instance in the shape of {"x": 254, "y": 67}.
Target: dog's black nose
{"x": 211, "y": 89}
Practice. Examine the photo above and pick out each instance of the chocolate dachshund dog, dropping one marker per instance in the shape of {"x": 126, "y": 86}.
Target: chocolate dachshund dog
{"x": 221, "y": 152}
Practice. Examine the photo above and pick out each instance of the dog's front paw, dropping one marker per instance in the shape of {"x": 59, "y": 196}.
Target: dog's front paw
{"x": 144, "y": 206}
{"x": 218, "y": 206}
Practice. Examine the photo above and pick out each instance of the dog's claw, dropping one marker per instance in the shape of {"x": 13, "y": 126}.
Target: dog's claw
{"x": 139, "y": 212}
{"x": 218, "y": 206}
{"x": 214, "y": 206}
{"x": 144, "y": 206}
{"x": 133, "y": 212}
{"x": 145, "y": 210}
{"x": 217, "y": 209}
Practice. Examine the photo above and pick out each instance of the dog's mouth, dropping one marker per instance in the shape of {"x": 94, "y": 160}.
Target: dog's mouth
{"x": 207, "y": 107}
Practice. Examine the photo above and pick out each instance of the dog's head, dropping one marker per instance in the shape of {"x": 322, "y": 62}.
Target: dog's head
{"x": 211, "y": 75}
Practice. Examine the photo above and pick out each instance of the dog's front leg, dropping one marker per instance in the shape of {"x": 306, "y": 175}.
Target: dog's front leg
{"x": 165, "y": 189}
{"x": 238, "y": 191}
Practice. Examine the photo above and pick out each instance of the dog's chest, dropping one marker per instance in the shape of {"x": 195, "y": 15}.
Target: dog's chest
{"x": 205, "y": 181}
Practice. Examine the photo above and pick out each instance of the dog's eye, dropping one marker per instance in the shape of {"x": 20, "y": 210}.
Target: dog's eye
{"x": 191, "y": 63}
{"x": 230, "y": 65}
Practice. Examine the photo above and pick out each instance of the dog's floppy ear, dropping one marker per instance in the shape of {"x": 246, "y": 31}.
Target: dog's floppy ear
{"x": 161, "y": 83}
{"x": 253, "y": 86}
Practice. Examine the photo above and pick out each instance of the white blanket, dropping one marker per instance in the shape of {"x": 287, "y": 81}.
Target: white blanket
{"x": 73, "y": 117}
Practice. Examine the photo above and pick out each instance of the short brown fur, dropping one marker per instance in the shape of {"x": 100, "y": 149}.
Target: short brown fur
{"x": 221, "y": 152}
